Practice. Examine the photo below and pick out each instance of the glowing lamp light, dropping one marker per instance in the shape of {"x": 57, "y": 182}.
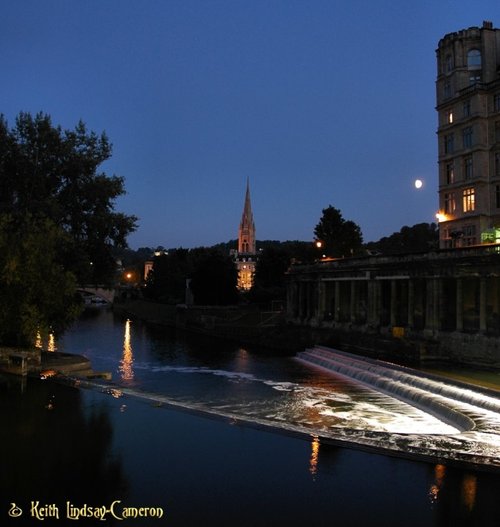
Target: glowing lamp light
{"x": 440, "y": 217}
{"x": 419, "y": 184}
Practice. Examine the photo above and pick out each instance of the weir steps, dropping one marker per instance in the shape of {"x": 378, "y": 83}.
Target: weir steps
{"x": 464, "y": 408}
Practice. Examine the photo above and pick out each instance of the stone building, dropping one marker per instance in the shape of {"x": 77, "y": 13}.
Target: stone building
{"x": 468, "y": 106}
{"x": 245, "y": 256}
{"x": 444, "y": 304}
{"x": 447, "y": 298}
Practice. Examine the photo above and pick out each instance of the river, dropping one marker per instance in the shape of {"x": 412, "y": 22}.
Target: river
{"x": 205, "y": 460}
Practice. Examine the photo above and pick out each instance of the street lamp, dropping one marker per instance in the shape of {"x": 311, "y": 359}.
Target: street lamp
{"x": 319, "y": 245}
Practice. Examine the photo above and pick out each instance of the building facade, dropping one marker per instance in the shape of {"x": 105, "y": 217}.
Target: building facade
{"x": 246, "y": 255}
{"x": 468, "y": 106}
{"x": 449, "y": 299}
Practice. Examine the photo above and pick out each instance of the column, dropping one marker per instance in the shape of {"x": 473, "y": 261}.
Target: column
{"x": 353, "y": 302}
{"x": 411, "y": 303}
{"x": 373, "y": 303}
{"x": 394, "y": 303}
{"x": 432, "y": 305}
{"x": 460, "y": 304}
{"x": 482, "y": 304}
{"x": 321, "y": 300}
{"x": 337, "y": 301}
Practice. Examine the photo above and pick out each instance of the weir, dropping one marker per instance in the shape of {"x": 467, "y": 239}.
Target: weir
{"x": 465, "y": 407}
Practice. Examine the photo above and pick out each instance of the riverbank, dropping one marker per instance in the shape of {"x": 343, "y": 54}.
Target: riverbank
{"x": 44, "y": 364}
{"x": 270, "y": 331}
{"x": 245, "y": 324}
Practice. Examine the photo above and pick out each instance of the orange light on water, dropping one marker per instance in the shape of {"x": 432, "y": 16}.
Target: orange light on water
{"x": 127, "y": 360}
{"x": 313, "y": 460}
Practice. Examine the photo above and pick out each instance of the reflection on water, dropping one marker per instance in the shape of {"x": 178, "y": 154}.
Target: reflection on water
{"x": 439, "y": 473}
{"x": 234, "y": 475}
{"x": 51, "y": 346}
{"x": 51, "y": 341}
{"x": 56, "y": 447}
{"x": 127, "y": 360}
{"x": 469, "y": 491}
{"x": 313, "y": 460}
{"x": 38, "y": 340}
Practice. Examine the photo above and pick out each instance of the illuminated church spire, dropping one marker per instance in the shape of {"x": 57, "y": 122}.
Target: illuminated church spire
{"x": 246, "y": 232}
{"x": 245, "y": 257}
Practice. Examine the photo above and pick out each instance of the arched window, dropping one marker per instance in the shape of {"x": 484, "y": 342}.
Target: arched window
{"x": 474, "y": 59}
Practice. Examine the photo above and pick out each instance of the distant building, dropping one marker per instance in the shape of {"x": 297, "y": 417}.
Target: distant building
{"x": 245, "y": 256}
{"x": 468, "y": 105}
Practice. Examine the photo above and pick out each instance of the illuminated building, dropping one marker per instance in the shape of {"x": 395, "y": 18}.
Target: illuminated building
{"x": 246, "y": 256}
{"x": 468, "y": 105}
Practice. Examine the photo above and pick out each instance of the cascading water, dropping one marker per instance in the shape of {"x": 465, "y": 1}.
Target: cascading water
{"x": 474, "y": 412}
{"x": 353, "y": 401}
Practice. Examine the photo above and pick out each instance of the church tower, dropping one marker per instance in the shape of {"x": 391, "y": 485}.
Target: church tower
{"x": 246, "y": 232}
{"x": 246, "y": 255}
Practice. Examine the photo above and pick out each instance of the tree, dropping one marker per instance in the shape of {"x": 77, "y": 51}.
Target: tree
{"x": 36, "y": 293}
{"x": 214, "y": 278}
{"x": 166, "y": 282}
{"x": 419, "y": 238}
{"x": 339, "y": 237}
{"x": 58, "y": 225}
{"x": 269, "y": 278}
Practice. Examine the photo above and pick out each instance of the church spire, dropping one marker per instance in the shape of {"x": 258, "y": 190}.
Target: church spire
{"x": 246, "y": 233}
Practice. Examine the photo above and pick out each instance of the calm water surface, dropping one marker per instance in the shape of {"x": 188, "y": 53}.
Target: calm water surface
{"x": 63, "y": 444}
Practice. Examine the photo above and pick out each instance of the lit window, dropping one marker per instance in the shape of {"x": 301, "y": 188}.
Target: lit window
{"x": 449, "y": 203}
{"x": 469, "y": 200}
{"x": 449, "y": 117}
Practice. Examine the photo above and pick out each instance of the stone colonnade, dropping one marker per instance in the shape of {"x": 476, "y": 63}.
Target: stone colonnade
{"x": 451, "y": 291}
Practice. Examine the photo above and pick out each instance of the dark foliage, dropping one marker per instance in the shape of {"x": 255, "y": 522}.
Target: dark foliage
{"x": 58, "y": 225}
{"x": 419, "y": 238}
{"x": 339, "y": 237}
{"x": 166, "y": 283}
{"x": 214, "y": 278}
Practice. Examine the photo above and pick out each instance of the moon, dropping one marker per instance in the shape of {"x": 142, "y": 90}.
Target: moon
{"x": 418, "y": 183}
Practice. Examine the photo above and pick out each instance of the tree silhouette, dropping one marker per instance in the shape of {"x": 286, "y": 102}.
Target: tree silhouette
{"x": 339, "y": 237}
{"x": 58, "y": 226}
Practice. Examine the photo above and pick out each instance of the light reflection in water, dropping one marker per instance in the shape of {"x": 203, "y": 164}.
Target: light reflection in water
{"x": 51, "y": 346}
{"x": 440, "y": 473}
{"x": 469, "y": 490}
{"x": 127, "y": 360}
{"x": 313, "y": 460}
{"x": 116, "y": 393}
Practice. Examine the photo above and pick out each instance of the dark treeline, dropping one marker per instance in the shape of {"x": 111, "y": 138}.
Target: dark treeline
{"x": 212, "y": 272}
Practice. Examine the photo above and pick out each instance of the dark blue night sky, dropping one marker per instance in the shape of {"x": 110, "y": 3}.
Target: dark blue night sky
{"x": 317, "y": 102}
